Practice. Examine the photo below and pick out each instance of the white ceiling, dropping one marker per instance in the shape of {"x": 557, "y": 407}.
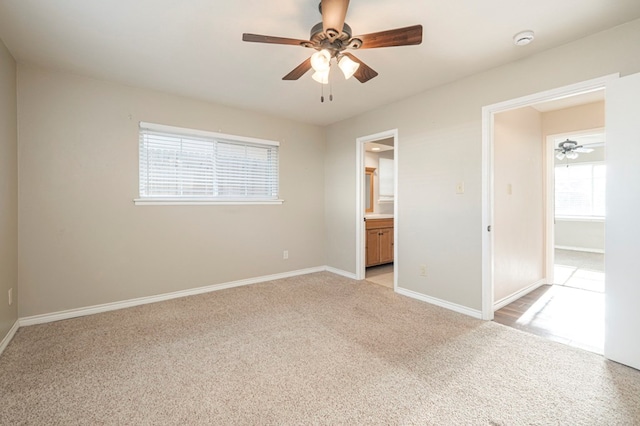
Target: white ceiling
{"x": 194, "y": 48}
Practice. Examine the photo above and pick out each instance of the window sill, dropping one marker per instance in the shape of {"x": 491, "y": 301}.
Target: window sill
{"x": 199, "y": 202}
{"x": 580, "y": 218}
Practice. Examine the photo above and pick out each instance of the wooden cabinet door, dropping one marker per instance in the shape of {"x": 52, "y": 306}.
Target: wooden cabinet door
{"x": 373, "y": 247}
{"x": 386, "y": 245}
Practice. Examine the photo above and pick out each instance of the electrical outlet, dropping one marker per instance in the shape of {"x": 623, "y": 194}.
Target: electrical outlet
{"x": 10, "y": 296}
{"x": 423, "y": 270}
{"x": 285, "y": 254}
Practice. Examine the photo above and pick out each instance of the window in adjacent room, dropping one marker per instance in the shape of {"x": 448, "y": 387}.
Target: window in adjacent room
{"x": 180, "y": 165}
{"x": 580, "y": 190}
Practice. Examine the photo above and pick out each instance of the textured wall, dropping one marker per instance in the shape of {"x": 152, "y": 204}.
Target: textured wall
{"x": 8, "y": 191}
{"x": 82, "y": 240}
{"x": 440, "y": 141}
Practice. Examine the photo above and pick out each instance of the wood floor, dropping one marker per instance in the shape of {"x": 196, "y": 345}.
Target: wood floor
{"x": 565, "y": 314}
{"x": 570, "y": 312}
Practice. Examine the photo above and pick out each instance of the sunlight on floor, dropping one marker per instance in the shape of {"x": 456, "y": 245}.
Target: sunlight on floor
{"x": 582, "y": 325}
{"x": 571, "y": 311}
{"x": 572, "y": 276}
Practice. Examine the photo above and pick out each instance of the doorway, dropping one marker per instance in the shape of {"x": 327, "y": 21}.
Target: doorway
{"x": 376, "y": 236}
{"x": 569, "y": 305}
{"x": 532, "y": 302}
{"x": 622, "y": 239}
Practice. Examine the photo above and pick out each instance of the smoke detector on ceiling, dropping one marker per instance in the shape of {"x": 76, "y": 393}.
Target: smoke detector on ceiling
{"x": 523, "y": 38}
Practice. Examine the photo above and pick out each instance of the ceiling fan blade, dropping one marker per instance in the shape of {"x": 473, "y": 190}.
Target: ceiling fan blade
{"x": 334, "y": 13}
{"x": 299, "y": 71}
{"x": 257, "y": 38}
{"x": 364, "y": 72}
{"x": 407, "y": 36}
{"x": 583, "y": 150}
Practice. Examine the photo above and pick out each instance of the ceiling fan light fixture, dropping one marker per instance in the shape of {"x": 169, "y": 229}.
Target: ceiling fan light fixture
{"x": 572, "y": 155}
{"x": 321, "y": 60}
{"x": 560, "y": 156}
{"x": 348, "y": 66}
{"x": 321, "y": 77}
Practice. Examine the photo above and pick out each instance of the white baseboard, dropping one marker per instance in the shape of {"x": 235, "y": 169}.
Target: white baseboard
{"x": 340, "y": 272}
{"x": 518, "y": 294}
{"x": 439, "y": 302}
{"x": 585, "y": 249}
{"x": 9, "y": 336}
{"x": 106, "y": 307}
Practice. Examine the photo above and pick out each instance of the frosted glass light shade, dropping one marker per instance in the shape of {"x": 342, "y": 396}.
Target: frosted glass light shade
{"x": 321, "y": 76}
{"x": 572, "y": 155}
{"x": 320, "y": 60}
{"x": 348, "y": 66}
{"x": 560, "y": 156}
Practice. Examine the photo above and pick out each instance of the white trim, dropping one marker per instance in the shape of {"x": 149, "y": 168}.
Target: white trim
{"x": 580, "y": 219}
{"x": 439, "y": 302}
{"x": 204, "y": 133}
{"x": 106, "y": 307}
{"x": 518, "y": 294}
{"x": 199, "y": 202}
{"x": 488, "y": 113}
{"x": 549, "y": 208}
{"x": 7, "y": 339}
{"x": 360, "y": 197}
{"x": 340, "y": 272}
{"x": 584, "y": 249}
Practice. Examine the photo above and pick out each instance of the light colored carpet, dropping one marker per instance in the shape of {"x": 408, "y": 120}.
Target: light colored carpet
{"x": 316, "y": 349}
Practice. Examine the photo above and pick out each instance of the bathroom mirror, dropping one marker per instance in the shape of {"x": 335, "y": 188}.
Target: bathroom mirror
{"x": 368, "y": 189}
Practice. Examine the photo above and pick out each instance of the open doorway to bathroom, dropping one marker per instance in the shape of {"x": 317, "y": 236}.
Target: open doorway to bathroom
{"x": 376, "y": 221}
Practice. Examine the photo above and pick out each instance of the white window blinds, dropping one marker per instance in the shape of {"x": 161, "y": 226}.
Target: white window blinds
{"x": 178, "y": 163}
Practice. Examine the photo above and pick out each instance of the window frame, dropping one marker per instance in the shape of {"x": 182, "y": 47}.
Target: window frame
{"x": 213, "y": 136}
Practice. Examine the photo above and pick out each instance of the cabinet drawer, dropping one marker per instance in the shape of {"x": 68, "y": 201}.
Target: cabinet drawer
{"x": 379, "y": 223}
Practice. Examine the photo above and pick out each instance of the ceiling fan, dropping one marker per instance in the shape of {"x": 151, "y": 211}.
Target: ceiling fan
{"x": 331, "y": 39}
{"x": 570, "y": 149}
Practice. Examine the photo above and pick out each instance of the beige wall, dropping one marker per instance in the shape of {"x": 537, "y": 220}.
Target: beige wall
{"x": 518, "y": 221}
{"x": 440, "y": 140}
{"x": 574, "y": 119}
{"x": 82, "y": 240}
{"x": 587, "y": 235}
{"x": 8, "y": 192}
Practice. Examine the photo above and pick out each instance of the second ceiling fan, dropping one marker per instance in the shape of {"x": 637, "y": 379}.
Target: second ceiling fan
{"x": 331, "y": 39}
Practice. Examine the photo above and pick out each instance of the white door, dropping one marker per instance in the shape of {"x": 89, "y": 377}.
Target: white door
{"x": 622, "y": 239}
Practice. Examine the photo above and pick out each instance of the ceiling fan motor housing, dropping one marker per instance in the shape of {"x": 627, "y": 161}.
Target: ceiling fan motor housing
{"x": 322, "y": 40}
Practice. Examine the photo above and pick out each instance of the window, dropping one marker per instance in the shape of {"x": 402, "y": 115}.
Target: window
{"x": 580, "y": 190}
{"x": 180, "y": 165}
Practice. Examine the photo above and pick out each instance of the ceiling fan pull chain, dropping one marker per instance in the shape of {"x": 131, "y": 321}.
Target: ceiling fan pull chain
{"x": 330, "y": 87}
{"x": 322, "y": 93}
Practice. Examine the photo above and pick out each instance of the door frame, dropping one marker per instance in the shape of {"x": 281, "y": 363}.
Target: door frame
{"x": 360, "y": 203}
{"x": 488, "y": 113}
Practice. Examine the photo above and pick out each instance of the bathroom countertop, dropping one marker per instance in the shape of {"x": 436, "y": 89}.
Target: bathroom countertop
{"x": 378, "y": 216}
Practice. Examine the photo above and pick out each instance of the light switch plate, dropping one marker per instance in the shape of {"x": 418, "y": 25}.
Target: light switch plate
{"x": 460, "y": 188}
